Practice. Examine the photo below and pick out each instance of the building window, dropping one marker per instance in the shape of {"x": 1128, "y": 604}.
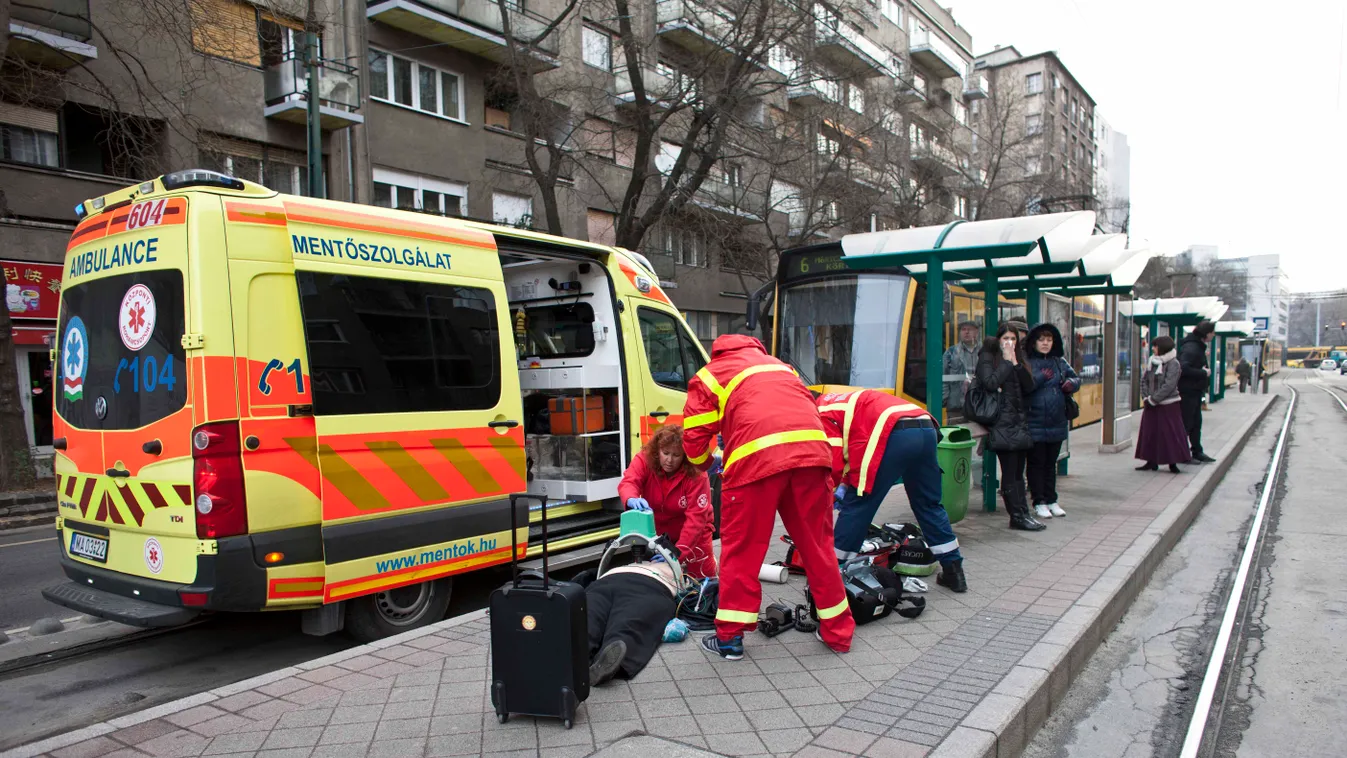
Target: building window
{"x": 24, "y": 145}
{"x": 960, "y": 206}
{"x": 892, "y": 11}
{"x": 1033, "y": 165}
{"x": 1033, "y": 123}
{"x": 598, "y": 48}
{"x": 787, "y": 199}
{"x": 783, "y": 61}
{"x": 284, "y": 171}
{"x": 856, "y": 98}
{"x": 512, "y": 210}
{"x": 602, "y": 226}
{"x": 686, "y": 247}
{"x": 281, "y": 39}
{"x": 1033, "y": 83}
{"x": 733, "y": 174}
{"x": 225, "y": 29}
{"x": 415, "y": 85}
{"x": 826, "y": 144}
{"x": 1056, "y": 85}
{"x": 703, "y": 324}
{"x": 1064, "y": 139}
{"x": 411, "y": 192}
{"x": 411, "y": 347}
{"x": 960, "y": 112}
{"x": 1075, "y": 111}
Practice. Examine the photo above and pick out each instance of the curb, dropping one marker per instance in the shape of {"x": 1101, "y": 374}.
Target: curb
{"x": 177, "y": 706}
{"x": 1006, "y": 720}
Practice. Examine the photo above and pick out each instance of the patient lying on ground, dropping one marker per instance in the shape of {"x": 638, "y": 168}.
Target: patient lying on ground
{"x": 629, "y": 606}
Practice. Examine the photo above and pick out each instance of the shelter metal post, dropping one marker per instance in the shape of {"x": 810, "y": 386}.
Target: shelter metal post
{"x": 1220, "y": 392}
{"x": 935, "y": 343}
{"x": 1109, "y": 371}
{"x": 991, "y": 314}
{"x": 1033, "y": 304}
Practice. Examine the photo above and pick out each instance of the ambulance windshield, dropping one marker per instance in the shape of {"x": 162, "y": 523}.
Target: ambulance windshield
{"x": 121, "y": 361}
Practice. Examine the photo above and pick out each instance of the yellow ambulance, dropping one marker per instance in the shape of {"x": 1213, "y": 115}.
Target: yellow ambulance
{"x": 275, "y": 402}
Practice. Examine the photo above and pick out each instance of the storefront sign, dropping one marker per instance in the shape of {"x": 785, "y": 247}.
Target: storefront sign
{"x": 32, "y": 290}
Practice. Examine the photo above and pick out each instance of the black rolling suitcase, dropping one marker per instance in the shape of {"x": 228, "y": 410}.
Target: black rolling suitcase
{"x": 539, "y": 640}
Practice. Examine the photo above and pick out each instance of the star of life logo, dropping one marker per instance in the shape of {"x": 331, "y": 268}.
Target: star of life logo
{"x": 135, "y": 320}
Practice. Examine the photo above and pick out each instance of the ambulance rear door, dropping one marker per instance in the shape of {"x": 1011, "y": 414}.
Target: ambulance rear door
{"x": 416, "y": 396}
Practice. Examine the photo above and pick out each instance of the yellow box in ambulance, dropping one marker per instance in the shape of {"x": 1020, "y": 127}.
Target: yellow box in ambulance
{"x": 275, "y": 402}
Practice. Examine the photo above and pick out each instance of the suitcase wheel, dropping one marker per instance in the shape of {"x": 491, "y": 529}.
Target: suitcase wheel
{"x": 503, "y": 717}
{"x": 567, "y": 723}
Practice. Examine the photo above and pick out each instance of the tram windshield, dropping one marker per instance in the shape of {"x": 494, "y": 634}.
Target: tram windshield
{"x": 845, "y": 330}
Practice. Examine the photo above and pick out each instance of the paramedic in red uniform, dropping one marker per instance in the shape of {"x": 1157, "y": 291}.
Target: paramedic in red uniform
{"x": 880, "y": 440}
{"x": 777, "y": 459}
{"x": 660, "y": 479}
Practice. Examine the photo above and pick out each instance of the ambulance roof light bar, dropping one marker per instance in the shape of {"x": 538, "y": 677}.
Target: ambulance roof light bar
{"x": 200, "y": 177}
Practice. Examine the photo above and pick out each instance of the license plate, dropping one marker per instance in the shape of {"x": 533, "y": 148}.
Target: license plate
{"x": 91, "y": 548}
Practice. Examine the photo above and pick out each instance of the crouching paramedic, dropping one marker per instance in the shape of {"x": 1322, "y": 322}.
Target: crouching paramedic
{"x": 661, "y": 479}
{"x": 878, "y": 440}
{"x": 777, "y": 460}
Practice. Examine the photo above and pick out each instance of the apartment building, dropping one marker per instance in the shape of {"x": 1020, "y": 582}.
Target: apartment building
{"x": 423, "y": 107}
{"x": 1050, "y": 118}
{"x": 1112, "y": 176}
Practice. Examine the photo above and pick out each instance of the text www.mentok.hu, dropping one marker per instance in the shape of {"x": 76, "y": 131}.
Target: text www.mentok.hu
{"x": 428, "y": 557}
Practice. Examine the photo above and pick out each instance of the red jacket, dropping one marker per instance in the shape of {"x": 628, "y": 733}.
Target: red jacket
{"x": 858, "y": 425}
{"x": 762, "y": 409}
{"x": 681, "y": 502}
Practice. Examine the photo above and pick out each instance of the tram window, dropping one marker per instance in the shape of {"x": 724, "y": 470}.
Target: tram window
{"x": 844, "y": 330}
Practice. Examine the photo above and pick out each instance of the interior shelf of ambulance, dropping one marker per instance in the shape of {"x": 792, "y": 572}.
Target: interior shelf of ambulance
{"x": 571, "y": 381}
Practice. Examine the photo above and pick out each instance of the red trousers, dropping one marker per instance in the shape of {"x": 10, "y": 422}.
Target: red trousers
{"x": 747, "y": 518}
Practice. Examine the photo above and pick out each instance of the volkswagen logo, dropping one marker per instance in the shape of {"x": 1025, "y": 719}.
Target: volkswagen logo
{"x": 101, "y": 407}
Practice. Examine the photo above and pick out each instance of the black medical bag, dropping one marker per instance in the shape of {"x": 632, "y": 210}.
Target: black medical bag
{"x": 873, "y": 592}
{"x": 539, "y": 640}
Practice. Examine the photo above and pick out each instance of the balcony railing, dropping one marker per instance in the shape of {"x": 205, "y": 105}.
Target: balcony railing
{"x": 475, "y": 26}
{"x": 934, "y": 153}
{"x": 660, "y": 88}
{"x": 935, "y": 54}
{"x": 912, "y": 89}
{"x": 815, "y": 91}
{"x": 735, "y": 199}
{"x": 53, "y": 33}
{"x": 846, "y": 47}
{"x": 703, "y": 28}
{"x": 975, "y": 86}
{"x": 285, "y": 88}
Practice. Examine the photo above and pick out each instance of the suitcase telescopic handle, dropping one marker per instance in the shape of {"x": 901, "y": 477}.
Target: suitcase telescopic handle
{"x": 514, "y": 549}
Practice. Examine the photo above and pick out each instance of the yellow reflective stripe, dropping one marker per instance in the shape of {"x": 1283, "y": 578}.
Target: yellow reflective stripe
{"x": 698, "y": 460}
{"x": 846, "y": 431}
{"x": 701, "y": 419}
{"x": 835, "y": 441}
{"x": 833, "y": 407}
{"x": 780, "y": 438}
{"x": 828, "y": 613}
{"x": 710, "y": 381}
{"x": 746, "y": 373}
{"x": 874, "y": 442}
{"x": 737, "y": 617}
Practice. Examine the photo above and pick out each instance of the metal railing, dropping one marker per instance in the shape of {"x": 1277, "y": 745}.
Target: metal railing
{"x": 338, "y": 83}
{"x": 923, "y": 39}
{"x": 68, "y": 18}
{"x": 734, "y": 197}
{"x": 525, "y": 25}
{"x": 976, "y": 83}
{"x": 659, "y": 86}
{"x": 713, "y": 21}
{"x": 826, "y": 32}
{"x": 827, "y": 89}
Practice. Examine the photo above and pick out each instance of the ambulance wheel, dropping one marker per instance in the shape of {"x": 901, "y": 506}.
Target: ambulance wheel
{"x": 383, "y": 614}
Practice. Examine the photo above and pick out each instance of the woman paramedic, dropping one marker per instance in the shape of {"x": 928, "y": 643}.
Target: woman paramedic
{"x": 660, "y": 479}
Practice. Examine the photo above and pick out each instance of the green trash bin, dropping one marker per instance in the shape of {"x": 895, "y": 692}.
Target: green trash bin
{"x": 955, "y": 453}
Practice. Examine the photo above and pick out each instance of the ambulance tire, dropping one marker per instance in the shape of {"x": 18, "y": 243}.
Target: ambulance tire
{"x": 384, "y": 614}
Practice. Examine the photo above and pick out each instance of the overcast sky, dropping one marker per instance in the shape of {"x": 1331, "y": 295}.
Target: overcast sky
{"x": 1235, "y": 116}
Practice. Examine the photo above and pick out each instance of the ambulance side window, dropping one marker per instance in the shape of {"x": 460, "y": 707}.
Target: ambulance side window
{"x": 388, "y": 346}
{"x": 670, "y": 350}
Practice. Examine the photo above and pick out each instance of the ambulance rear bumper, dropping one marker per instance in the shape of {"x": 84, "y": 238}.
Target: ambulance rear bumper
{"x": 123, "y": 610}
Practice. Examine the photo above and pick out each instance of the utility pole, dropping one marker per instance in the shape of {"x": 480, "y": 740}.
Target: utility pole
{"x": 1318, "y": 319}
{"x": 315, "y": 116}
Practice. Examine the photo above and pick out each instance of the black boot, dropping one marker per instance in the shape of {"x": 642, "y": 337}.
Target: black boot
{"x": 1149, "y": 466}
{"x": 1174, "y": 468}
{"x": 1017, "y": 505}
{"x": 951, "y": 576}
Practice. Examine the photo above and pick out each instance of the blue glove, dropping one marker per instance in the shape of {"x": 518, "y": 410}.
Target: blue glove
{"x": 657, "y": 558}
{"x": 638, "y": 504}
{"x": 676, "y": 630}
{"x": 840, "y": 492}
{"x": 716, "y": 466}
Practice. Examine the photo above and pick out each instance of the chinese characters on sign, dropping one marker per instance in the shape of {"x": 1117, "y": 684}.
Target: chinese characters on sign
{"x": 32, "y": 290}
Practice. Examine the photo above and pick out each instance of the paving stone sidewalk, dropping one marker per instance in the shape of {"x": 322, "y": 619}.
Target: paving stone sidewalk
{"x": 973, "y": 675}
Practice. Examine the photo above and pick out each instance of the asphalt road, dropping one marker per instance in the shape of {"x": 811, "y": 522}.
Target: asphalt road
{"x": 28, "y": 562}
{"x": 1285, "y": 695}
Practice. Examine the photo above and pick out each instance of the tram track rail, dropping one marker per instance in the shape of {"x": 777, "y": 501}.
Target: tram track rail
{"x": 1222, "y": 674}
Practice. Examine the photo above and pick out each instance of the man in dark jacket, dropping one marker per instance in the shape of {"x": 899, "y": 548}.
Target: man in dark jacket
{"x": 1193, "y": 382}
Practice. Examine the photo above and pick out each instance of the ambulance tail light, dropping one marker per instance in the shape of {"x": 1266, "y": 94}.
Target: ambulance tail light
{"x": 217, "y": 481}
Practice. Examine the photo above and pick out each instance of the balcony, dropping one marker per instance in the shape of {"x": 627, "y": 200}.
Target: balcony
{"x": 934, "y": 155}
{"x": 661, "y": 89}
{"x": 976, "y": 87}
{"x": 911, "y": 91}
{"x": 935, "y": 55}
{"x": 285, "y": 88}
{"x": 731, "y": 199}
{"x": 853, "y": 169}
{"x": 473, "y": 26}
{"x": 816, "y": 91}
{"x": 51, "y": 33}
{"x": 846, "y": 48}
{"x": 703, "y": 28}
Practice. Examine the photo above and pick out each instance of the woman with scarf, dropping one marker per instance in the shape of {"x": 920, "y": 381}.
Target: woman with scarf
{"x": 1162, "y": 438}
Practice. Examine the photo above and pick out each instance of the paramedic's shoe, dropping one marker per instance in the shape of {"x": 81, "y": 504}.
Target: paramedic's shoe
{"x": 607, "y": 662}
{"x": 1056, "y": 510}
{"x": 730, "y": 651}
{"x": 1041, "y": 511}
{"x": 818, "y": 635}
{"x": 951, "y": 576}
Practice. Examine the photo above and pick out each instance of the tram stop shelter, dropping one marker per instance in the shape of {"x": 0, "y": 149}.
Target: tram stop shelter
{"x": 1031, "y": 254}
{"x": 1224, "y": 331}
{"x": 1175, "y": 314}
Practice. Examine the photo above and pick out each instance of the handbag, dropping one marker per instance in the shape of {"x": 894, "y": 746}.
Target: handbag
{"x": 1072, "y": 408}
{"x": 981, "y": 406}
